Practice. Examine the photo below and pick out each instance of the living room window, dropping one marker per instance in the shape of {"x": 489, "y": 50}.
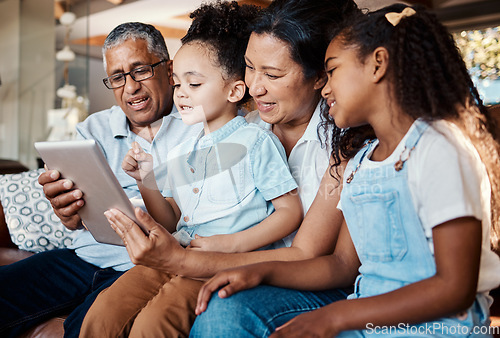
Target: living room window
{"x": 480, "y": 49}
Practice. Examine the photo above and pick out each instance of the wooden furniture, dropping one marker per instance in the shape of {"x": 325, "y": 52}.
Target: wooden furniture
{"x": 11, "y": 167}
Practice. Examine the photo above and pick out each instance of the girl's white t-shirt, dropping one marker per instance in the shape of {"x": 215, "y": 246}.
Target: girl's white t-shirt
{"x": 447, "y": 180}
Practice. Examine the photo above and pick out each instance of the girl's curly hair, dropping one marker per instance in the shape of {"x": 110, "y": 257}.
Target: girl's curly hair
{"x": 429, "y": 80}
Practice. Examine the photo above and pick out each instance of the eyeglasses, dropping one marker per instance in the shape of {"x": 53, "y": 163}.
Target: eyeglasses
{"x": 138, "y": 74}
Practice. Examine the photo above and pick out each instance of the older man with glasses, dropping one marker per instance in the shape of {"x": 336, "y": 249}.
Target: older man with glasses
{"x": 65, "y": 281}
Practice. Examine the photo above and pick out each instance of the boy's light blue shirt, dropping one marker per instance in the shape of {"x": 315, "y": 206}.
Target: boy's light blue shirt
{"x": 308, "y": 160}
{"x": 111, "y": 131}
{"x": 224, "y": 182}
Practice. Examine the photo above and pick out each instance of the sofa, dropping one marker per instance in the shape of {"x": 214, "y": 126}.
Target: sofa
{"x": 17, "y": 176}
{"x": 9, "y": 253}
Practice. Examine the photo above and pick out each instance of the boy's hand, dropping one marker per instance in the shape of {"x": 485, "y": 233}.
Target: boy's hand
{"x": 137, "y": 163}
{"x": 220, "y": 243}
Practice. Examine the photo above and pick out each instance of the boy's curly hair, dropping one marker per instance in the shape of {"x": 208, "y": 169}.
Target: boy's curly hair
{"x": 224, "y": 26}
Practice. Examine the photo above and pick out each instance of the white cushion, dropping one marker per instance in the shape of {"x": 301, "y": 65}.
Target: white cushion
{"x": 32, "y": 224}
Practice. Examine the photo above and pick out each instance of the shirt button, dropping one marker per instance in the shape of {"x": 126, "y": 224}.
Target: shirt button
{"x": 192, "y": 170}
{"x": 196, "y": 190}
{"x": 186, "y": 219}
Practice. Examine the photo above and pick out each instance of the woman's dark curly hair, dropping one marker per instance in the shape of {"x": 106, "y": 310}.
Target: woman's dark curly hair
{"x": 428, "y": 79}
{"x": 224, "y": 27}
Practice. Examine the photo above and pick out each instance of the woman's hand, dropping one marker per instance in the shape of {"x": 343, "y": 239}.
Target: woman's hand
{"x": 155, "y": 250}
{"x": 220, "y": 243}
{"x": 137, "y": 163}
{"x": 231, "y": 281}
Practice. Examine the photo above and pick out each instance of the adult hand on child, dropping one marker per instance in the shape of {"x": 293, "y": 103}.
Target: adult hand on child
{"x": 155, "y": 250}
{"x": 137, "y": 163}
{"x": 65, "y": 200}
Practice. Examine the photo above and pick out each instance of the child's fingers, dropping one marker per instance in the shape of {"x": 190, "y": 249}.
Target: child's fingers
{"x": 143, "y": 157}
{"x": 129, "y": 163}
{"x": 196, "y": 246}
{"x": 130, "y": 153}
{"x": 193, "y": 245}
{"x": 137, "y": 158}
{"x": 197, "y": 241}
{"x": 136, "y": 147}
{"x": 137, "y": 150}
{"x": 129, "y": 159}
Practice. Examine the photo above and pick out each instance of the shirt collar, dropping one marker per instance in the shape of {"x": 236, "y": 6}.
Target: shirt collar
{"x": 120, "y": 126}
{"x": 221, "y": 133}
{"x": 311, "y": 133}
{"x": 118, "y": 122}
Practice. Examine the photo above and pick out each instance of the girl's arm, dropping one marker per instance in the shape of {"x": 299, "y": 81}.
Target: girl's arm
{"x": 321, "y": 273}
{"x": 283, "y": 221}
{"x": 457, "y": 248}
{"x": 139, "y": 165}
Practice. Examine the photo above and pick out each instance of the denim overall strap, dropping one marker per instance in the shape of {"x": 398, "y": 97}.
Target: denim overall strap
{"x": 383, "y": 223}
{"x": 357, "y": 160}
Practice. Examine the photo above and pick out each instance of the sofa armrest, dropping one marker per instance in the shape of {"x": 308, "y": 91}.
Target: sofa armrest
{"x": 11, "y": 167}
{"x": 10, "y": 255}
{"x": 8, "y": 167}
{"x": 5, "y": 241}
{"x": 52, "y": 328}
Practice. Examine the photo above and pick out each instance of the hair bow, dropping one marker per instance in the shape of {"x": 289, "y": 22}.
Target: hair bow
{"x": 395, "y": 18}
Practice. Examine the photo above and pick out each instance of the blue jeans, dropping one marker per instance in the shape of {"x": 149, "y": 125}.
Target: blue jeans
{"x": 49, "y": 284}
{"x": 258, "y": 312}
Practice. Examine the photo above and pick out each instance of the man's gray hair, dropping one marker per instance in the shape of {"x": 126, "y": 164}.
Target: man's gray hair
{"x": 136, "y": 30}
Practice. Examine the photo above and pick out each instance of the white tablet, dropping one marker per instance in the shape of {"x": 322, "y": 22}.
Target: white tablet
{"x": 84, "y": 163}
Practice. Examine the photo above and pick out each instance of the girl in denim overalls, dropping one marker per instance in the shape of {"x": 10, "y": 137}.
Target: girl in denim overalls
{"x": 419, "y": 195}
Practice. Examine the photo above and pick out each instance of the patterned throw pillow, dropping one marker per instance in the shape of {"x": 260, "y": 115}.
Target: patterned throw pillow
{"x": 32, "y": 224}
